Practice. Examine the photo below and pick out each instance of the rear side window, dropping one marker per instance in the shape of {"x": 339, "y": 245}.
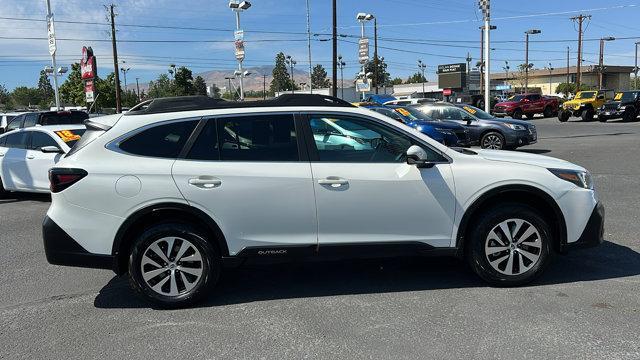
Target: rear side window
{"x": 16, "y": 123}
{"x": 40, "y": 140}
{"x": 17, "y": 140}
{"x": 164, "y": 141}
{"x": 30, "y": 120}
{"x": 63, "y": 117}
{"x": 258, "y": 138}
{"x": 206, "y": 147}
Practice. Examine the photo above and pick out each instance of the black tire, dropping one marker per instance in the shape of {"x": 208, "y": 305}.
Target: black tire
{"x": 476, "y": 253}
{"x": 629, "y": 116}
{"x": 210, "y": 264}
{"x": 563, "y": 116}
{"x": 492, "y": 140}
{"x": 587, "y": 115}
{"x": 530, "y": 116}
{"x": 517, "y": 114}
{"x": 548, "y": 112}
{"x": 602, "y": 118}
{"x": 3, "y": 192}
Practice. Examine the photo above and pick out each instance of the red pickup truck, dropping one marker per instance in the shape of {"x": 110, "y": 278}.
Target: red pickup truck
{"x": 528, "y": 105}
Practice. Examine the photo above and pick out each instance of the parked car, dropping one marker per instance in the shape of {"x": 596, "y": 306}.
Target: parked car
{"x": 485, "y": 130}
{"x": 47, "y": 118}
{"x": 380, "y": 98}
{"x": 170, "y": 197}
{"x": 5, "y": 118}
{"x": 26, "y": 155}
{"x": 411, "y": 101}
{"x": 584, "y": 104}
{"x": 527, "y": 105}
{"x": 445, "y": 132}
{"x": 625, "y": 105}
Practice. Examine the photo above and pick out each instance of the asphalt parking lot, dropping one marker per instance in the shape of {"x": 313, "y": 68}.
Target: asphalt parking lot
{"x": 586, "y": 305}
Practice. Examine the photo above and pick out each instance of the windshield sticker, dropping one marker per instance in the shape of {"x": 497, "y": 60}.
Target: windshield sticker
{"x": 67, "y": 135}
{"x": 469, "y": 110}
{"x": 618, "y": 96}
{"x": 403, "y": 112}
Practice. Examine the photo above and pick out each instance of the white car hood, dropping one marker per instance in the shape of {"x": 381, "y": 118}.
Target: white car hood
{"x": 527, "y": 158}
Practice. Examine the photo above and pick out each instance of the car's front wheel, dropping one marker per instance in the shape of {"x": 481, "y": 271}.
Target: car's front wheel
{"x": 3, "y": 192}
{"x": 173, "y": 265}
{"x": 587, "y": 115}
{"x": 628, "y": 116}
{"x": 563, "y": 116}
{"x": 510, "y": 245}
{"x": 517, "y": 114}
{"x": 492, "y": 140}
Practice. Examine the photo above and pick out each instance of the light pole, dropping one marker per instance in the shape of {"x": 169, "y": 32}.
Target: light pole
{"x": 635, "y": 69}
{"x": 172, "y": 71}
{"x": 50, "y": 71}
{"x": 526, "y": 57}
{"x": 362, "y": 19}
{"x": 482, "y": 52}
{"x": 550, "y": 71}
{"x": 422, "y": 66}
{"x": 292, "y": 63}
{"x": 238, "y": 7}
{"x": 124, "y": 73}
{"x": 601, "y": 59}
{"x": 506, "y": 68}
{"x": 52, "y": 51}
{"x": 138, "y": 88}
{"x": 341, "y": 65}
{"x": 229, "y": 78}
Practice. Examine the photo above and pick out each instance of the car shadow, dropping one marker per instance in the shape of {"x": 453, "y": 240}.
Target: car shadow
{"x": 534, "y": 151}
{"x": 14, "y": 197}
{"x": 301, "y": 280}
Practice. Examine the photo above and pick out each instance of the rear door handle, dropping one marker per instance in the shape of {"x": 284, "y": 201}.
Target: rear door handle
{"x": 333, "y": 181}
{"x": 205, "y": 183}
{"x": 31, "y": 156}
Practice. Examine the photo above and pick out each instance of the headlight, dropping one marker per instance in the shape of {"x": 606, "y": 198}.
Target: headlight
{"x": 579, "y": 178}
{"x": 445, "y": 131}
{"x": 621, "y": 107}
{"x": 514, "y": 126}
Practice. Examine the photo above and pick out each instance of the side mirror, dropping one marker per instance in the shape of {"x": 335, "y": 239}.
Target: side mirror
{"x": 51, "y": 150}
{"x": 418, "y": 156}
{"x": 600, "y": 97}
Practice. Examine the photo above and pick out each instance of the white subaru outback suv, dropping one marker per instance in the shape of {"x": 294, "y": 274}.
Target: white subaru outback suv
{"x": 180, "y": 188}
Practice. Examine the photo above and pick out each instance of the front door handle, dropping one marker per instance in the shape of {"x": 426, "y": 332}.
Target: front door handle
{"x": 333, "y": 181}
{"x": 31, "y": 156}
{"x": 205, "y": 182}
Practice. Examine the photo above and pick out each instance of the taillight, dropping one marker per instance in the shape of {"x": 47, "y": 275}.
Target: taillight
{"x": 62, "y": 178}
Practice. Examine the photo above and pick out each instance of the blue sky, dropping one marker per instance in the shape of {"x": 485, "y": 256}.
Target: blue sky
{"x": 437, "y": 32}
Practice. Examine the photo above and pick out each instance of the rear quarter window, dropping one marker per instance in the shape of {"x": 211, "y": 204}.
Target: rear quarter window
{"x": 163, "y": 141}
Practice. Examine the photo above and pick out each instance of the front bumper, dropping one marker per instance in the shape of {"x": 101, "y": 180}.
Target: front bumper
{"x": 593, "y": 233}
{"x": 502, "y": 112}
{"x": 61, "y": 249}
{"x": 610, "y": 114}
{"x": 521, "y": 138}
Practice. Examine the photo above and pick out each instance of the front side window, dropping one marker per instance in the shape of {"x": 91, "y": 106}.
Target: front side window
{"x": 357, "y": 140}
{"x": 206, "y": 146}
{"x": 164, "y": 141}
{"x": 258, "y": 138}
{"x": 17, "y": 140}
{"x": 451, "y": 113}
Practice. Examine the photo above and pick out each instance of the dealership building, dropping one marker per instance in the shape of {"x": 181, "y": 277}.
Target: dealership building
{"x": 545, "y": 81}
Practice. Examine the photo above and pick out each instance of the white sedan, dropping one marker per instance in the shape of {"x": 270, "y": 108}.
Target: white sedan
{"x": 27, "y": 154}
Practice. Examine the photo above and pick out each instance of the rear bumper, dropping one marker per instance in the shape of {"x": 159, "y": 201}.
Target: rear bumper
{"x": 521, "y": 138}
{"x": 593, "y": 233}
{"x": 61, "y": 249}
{"x": 609, "y": 114}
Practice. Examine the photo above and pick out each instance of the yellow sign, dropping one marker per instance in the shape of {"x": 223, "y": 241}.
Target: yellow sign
{"x": 618, "y": 96}
{"x": 67, "y": 135}
{"x": 470, "y": 110}
{"x": 403, "y": 112}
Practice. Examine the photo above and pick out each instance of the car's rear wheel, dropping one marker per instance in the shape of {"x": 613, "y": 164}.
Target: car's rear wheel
{"x": 510, "y": 245}
{"x": 563, "y": 116}
{"x": 628, "y": 116}
{"x": 517, "y": 114}
{"x": 492, "y": 140}
{"x": 587, "y": 115}
{"x": 173, "y": 265}
{"x": 548, "y": 112}
{"x": 602, "y": 118}
{"x": 3, "y": 192}
{"x": 530, "y": 116}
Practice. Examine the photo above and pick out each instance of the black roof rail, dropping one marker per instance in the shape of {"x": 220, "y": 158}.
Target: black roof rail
{"x": 189, "y": 103}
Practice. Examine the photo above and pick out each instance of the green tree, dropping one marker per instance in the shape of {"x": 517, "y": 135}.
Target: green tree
{"x": 183, "y": 82}
{"x": 281, "y": 79}
{"x": 24, "y": 96}
{"x": 72, "y": 89}
{"x": 319, "y": 77}
{"x": 162, "y": 87}
{"x": 396, "y": 81}
{"x": 383, "y": 77}
{"x": 45, "y": 88}
{"x": 416, "y": 78}
{"x": 5, "y": 98}
{"x": 200, "y": 87}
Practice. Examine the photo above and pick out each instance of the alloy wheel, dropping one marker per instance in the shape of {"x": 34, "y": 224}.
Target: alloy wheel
{"x": 492, "y": 142}
{"x": 171, "y": 266}
{"x": 513, "y": 247}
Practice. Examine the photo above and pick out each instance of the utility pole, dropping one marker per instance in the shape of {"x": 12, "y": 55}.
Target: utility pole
{"x": 635, "y": 69}
{"x": 481, "y": 59}
{"x": 485, "y": 7}
{"x": 375, "y": 52}
{"x": 264, "y": 87}
{"x": 334, "y": 42}
{"x": 601, "y": 60}
{"x": 309, "y": 47}
{"x": 580, "y": 19}
{"x": 115, "y": 59}
{"x": 568, "y": 77}
{"x": 138, "y": 88}
{"x": 52, "y": 51}
{"x": 468, "y": 62}
{"x": 526, "y": 57}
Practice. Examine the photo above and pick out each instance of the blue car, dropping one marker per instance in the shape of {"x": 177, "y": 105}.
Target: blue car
{"x": 446, "y": 132}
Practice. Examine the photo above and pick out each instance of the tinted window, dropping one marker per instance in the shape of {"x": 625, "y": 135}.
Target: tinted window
{"x": 3, "y": 140}
{"x": 371, "y": 142}
{"x": 258, "y": 138}
{"x": 388, "y": 112}
{"x": 17, "y": 140}
{"x": 163, "y": 141}
{"x": 15, "y": 123}
{"x": 40, "y": 139}
{"x": 451, "y": 113}
{"x": 63, "y": 117}
{"x": 432, "y": 112}
{"x": 206, "y": 146}
{"x": 30, "y": 120}
{"x": 534, "y": 97}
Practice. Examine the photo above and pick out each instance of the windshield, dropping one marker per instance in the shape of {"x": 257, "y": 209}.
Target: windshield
{"x": 586, "y": 95}
{"x": 516, "y": 98}
{"x": 480, "y": 114}
{"x": 413, "y": 113}
{"x": 626, "y": 96}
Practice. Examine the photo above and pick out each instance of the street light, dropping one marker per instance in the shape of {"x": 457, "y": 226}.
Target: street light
{"x": 601, "y": 59}
{"x": 124, "y": 73}
{"x": 363, "y": 18}
{"x": 422, "y": 66}
{"x": 291, "y": 62}
{"x": 172, "y": 70}
{"x": 550, "y": 68}
{"x": 229, "y": 78}
{"x": 341, "y": 65}
{"x": 238, "y": 7}
{"x": 526, "y": 57}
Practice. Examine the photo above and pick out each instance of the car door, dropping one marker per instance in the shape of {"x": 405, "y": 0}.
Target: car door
{"x": 39, "y": 163}
{"x": 452, "y": 113}
{"x": 14, "y": 171}
{"x": 251, "y": 175}
{"x": 368, "y": 194}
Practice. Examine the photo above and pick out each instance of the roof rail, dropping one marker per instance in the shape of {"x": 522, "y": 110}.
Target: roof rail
{"x": 189, "y": 103}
